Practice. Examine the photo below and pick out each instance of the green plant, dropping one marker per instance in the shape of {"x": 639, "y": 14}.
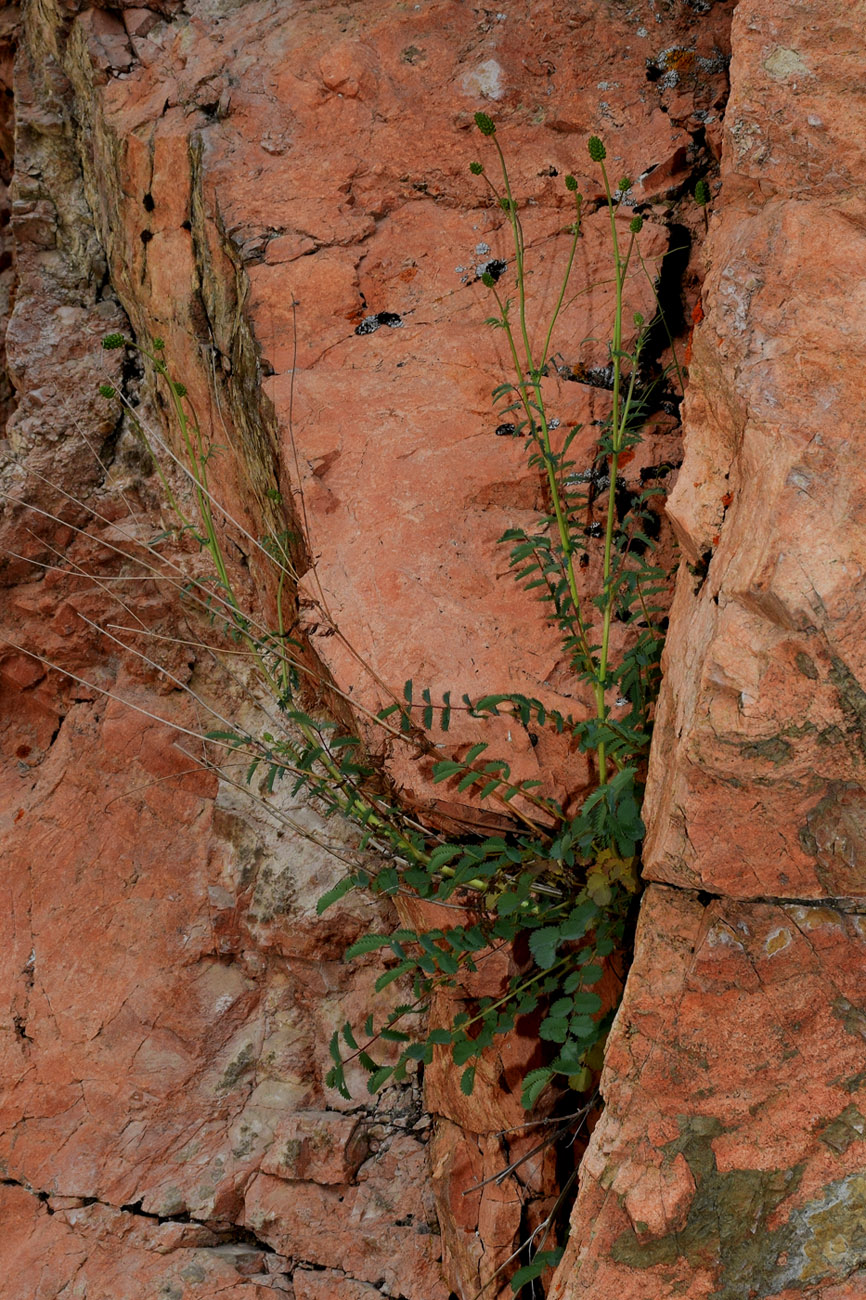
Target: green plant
{"x": 556, "y": 884}
{"x": 563, "y": 882}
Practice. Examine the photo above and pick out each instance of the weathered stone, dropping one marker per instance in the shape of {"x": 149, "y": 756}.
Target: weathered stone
{"x": 761, "y": 721}
{"x": 395, "y": 1244}
{"x": 317, "y": 1145}
{"x": 100, "y": 1251}
{"x": 262, "y": 173}
{"x": 729, "y": 1157}
{"x": 167, "y": 1008}
{"x": 328, "y": 1285}
{"x": 480, "y": 1225}
{"x": 728, "y": 1160}
{"x": 247, "y": 168}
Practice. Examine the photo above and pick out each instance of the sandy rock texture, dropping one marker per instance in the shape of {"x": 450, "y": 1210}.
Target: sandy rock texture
{"x": 729, "y": 1160}
{"x": 168, "y": 991}
{"x": 281, "y": 192}
{"x": 294, "y": 211}
{"x": 761, "y": 721}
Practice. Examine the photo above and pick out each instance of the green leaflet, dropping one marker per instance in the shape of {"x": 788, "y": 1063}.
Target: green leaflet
{"x": 339, "y": 891}
{"x": 542, "y": 1260}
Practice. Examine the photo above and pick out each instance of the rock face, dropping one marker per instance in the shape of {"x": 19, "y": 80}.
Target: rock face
{"x": 168, "y": 991}
{"x": 729, "y": 1160}
{"x": 281, "y": 192}
{"x": 249, "y": 220}
{"x": 765, "y": 698}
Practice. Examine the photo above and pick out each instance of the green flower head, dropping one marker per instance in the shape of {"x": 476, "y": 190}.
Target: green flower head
{"x": 158, "y": 344}
{"x": 505, "y": 204}
{"x": 570, "y": 183}
{"x": 635, "y": 225}
{"x": 485, "y": 124}
{"x": 487, "y": 279}
{"x": 597, "y": 151}
{"x": 638, "y": 320}
{"x": 476, "y": 168}
{"x": 625, "y": 184}
{"x": 107, "y": 391}
{"x": 180, "y": 389}
{"x": 112, "y": 342}
{"x": 702, "y": 193}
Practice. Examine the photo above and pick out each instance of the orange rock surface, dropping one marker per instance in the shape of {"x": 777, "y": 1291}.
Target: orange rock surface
{"x": 729, "y": 1157}
{"x": 282, "y": 193}
{"x": 219, "y": 175}
{"x": 729, "y": 1160}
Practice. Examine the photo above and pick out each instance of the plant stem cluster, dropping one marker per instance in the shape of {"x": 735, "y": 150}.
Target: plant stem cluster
{"x": 557, "y": 885}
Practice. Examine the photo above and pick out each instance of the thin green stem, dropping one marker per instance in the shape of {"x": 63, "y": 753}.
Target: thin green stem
{"x": 512, "y": 993}
{"x": 539, "y": 428}
{"x": 558, "y": 308}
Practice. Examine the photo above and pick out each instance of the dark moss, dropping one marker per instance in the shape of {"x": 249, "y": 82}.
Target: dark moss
{"x": 725, "y": 1231}
{"x": 806, "y": 666}
{"x": 853, "y": 1018}
{"x": 835, "y": 836}
{"x": 854, "y": 1083}
{"x": 839, "y": 1133}
{"x": 236, "y": 1069}
{"x": 852, "y": 699}
{"x": 774, "y": 749}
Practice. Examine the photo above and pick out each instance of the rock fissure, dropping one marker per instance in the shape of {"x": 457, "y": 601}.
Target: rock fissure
{"x": 226, "y": 1233}
{"x": 845, "y": 906}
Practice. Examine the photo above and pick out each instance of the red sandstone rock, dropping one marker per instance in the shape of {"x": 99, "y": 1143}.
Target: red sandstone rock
{"x": 248, "y": 158}
{"x": 386, "y": 236}
{"x": 100, "y": 1251}
{"x": 328, "y": 1285}
{"x": 395, "y": 1243}
{"x": 480, "y": 1228}
{"x": 277, "y": 176}
{"x": 319, "y": 1145}
{"x": 167, "y": 1007}
{"x": 730, "y": 1153}
{"x": 729, "y": 1158}
{"x": 759, "y": 726}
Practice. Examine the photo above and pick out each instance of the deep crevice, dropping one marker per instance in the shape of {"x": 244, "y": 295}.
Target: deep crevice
{"x": 849, "y": 906}
{"x": 56, "y": 732}
{"x": 230, "y": 1233}
{"x": 20, "y": 1027}
{"x": 227, "y": 1234}
{"x": 669, "y": 295}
